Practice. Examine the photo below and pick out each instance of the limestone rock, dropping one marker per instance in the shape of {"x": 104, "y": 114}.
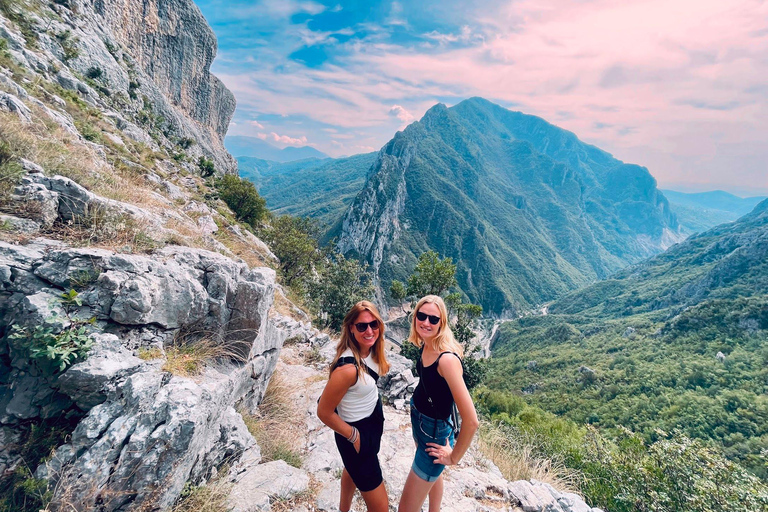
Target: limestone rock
{"x": 86, "y": 383}
{"x": 253, "y": 490}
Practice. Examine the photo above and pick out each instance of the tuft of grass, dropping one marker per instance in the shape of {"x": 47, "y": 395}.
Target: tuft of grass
{"x": 149, "y": 353}
{"x": 211, "y": 497}
{"x": 277, "y": 425}
{"x": 191, "y": 352}
{"x": 517, "y": 460}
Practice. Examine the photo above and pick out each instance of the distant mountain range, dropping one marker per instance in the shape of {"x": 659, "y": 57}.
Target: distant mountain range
{"x": 321, "y": 189}
{"x": 239, "y": 145}
{"x": 700, "y": 211}
{"x": 526, "y": 210}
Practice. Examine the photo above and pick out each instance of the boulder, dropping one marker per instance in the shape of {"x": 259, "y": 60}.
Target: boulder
{"x": 254, "y": 489}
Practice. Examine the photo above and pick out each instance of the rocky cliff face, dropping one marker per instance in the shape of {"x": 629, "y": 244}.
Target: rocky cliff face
{"x": 148, "y": 61}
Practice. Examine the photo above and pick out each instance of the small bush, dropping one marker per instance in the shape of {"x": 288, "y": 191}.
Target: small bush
{"x": 54, "y": 352}
{"x": 186, "y": 142}
{"x": 94, "y": 73}
{"x": 88, "y": 131}
{"x": 68, "y": 45}
{"x": 207, "y": 169}
{"x": 242, "y": 198}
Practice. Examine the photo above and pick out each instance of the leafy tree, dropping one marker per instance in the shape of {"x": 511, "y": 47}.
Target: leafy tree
{"x": 341, "y": 283}
{"x": 432, "y": 275}
{"x": 242, "y": 198}
{"x": 398, "y": 292}
{"x": 475, "y": 369}
{"x": 294, "y": 241}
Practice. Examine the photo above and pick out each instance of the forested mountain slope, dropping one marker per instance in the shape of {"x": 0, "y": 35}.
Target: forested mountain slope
{"x": 526, "y": 210}
{"x": 319, "y": 188}
{"x": 677, "y": 342}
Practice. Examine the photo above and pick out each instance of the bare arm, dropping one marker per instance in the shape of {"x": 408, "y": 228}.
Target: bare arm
{"x": 451, "y": 370}
{"x": 342, "y": 378}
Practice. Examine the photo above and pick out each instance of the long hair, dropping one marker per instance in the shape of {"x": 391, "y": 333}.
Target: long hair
{"x": 348, "y": 341}
{"x": 444, "y": 341}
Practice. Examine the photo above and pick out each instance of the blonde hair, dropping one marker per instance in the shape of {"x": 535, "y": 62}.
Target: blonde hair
{"x": 444, "y": 340}
{"x": 348, "y": 341}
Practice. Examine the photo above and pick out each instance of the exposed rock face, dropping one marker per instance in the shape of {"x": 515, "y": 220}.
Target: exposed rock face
{"x": 141, "y": 61}
{"x": 144, "y": 432}
{"x": 173, "y": 45}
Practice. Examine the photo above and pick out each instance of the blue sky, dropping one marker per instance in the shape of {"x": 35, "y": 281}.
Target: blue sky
{"x": 679, "y": 86}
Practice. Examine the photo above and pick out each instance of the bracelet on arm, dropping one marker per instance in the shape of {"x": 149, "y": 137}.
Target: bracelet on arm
{"x": 353, "y": 436}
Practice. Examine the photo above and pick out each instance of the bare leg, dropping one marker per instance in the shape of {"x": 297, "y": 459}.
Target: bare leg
{"x": 377, "y": 500}
{"x": 347, "y": 491}
{"x": 414, "y": 493}
{"x": 436, "y": 495}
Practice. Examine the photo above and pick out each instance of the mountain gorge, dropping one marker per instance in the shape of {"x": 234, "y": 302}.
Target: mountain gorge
{"x": 678, "y": 342}
{"x": 526, "y": 210}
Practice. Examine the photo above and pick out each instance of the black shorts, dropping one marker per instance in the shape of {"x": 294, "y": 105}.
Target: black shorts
{"x": 364, "y": 467}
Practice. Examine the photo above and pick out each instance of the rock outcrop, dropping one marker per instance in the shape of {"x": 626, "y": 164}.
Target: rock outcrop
{"x": 144, "y": 432}
{"x": 145, "y": 63}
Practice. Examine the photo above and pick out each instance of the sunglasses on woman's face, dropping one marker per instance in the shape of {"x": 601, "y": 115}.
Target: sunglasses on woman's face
{"x": 363, "y": 326}
{"x": 434, "y": 320}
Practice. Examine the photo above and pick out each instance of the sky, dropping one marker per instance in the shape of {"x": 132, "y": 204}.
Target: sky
{"x": 677, "y": 86}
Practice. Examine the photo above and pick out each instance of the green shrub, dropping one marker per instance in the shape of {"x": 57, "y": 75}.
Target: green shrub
{"x": 242, "y": 198}
{"x": 54, "y": 352}
{"x": 68, "y": 45}
{"x": 94, "y": 73}
{"x": 207, "y": 169}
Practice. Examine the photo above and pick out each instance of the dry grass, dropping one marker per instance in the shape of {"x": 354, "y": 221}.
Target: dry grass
{"x": 306, "y": 499}
{"x": 106, "y": 228}
{"x": 211, "y": 497}
{"x": 190, "y": 353}
{"x": 517, "y": 461}
{"x": 278, "y": 426}
{"x": 241, "y": 249}
{"x": 149, "y": 353}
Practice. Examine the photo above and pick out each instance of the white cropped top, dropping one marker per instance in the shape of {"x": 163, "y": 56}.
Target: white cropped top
{"x": 360, "y": 399}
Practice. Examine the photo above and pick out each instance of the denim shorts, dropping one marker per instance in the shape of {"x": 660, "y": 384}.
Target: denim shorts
{"x": 428, "y": 430}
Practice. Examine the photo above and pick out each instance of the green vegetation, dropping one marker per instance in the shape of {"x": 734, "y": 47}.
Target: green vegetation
{"x": 10, "y": 169}
{"x": 207, "y": 169}
{"x": 68, "y": 45}
{"x": 54, "y": 351}
{"x": 294, "y": 241}
{"x": 676, "y": 343}
{"x": 320, "y": 189}
{"x": 434, "y": 276}
{"x": 341, "y": 283}
{"x": 21, "y": 492}
{"x": 628, "y": 474}
{"x": 242, "y": 198}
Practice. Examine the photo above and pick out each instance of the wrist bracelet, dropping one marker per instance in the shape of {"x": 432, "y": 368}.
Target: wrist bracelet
{"x": 353, "y": 436}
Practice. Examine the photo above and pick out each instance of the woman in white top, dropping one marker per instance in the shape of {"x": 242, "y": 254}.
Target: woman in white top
{"x": 351, "y": 406}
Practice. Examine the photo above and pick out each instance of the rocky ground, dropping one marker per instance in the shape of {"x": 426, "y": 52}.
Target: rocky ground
{"x": 474, "y": 485}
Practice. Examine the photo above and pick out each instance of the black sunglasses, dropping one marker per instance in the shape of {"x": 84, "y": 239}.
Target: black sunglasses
{"x": 363, "y": 326}
{"x": 434, "y": 320}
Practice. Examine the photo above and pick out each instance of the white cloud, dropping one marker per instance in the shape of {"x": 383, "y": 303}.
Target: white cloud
{"x": 284, "y": 139}
{"x": 401, "y": 113}
{"x": 256, "y": 124}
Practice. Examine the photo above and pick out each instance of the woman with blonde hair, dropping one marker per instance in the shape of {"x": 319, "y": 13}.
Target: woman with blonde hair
{"x": 441, "y": 383}
{"x": 351, "y": 406}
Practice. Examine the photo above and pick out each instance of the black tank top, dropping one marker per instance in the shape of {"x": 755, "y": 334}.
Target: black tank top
{"x": 432, "y": 396}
